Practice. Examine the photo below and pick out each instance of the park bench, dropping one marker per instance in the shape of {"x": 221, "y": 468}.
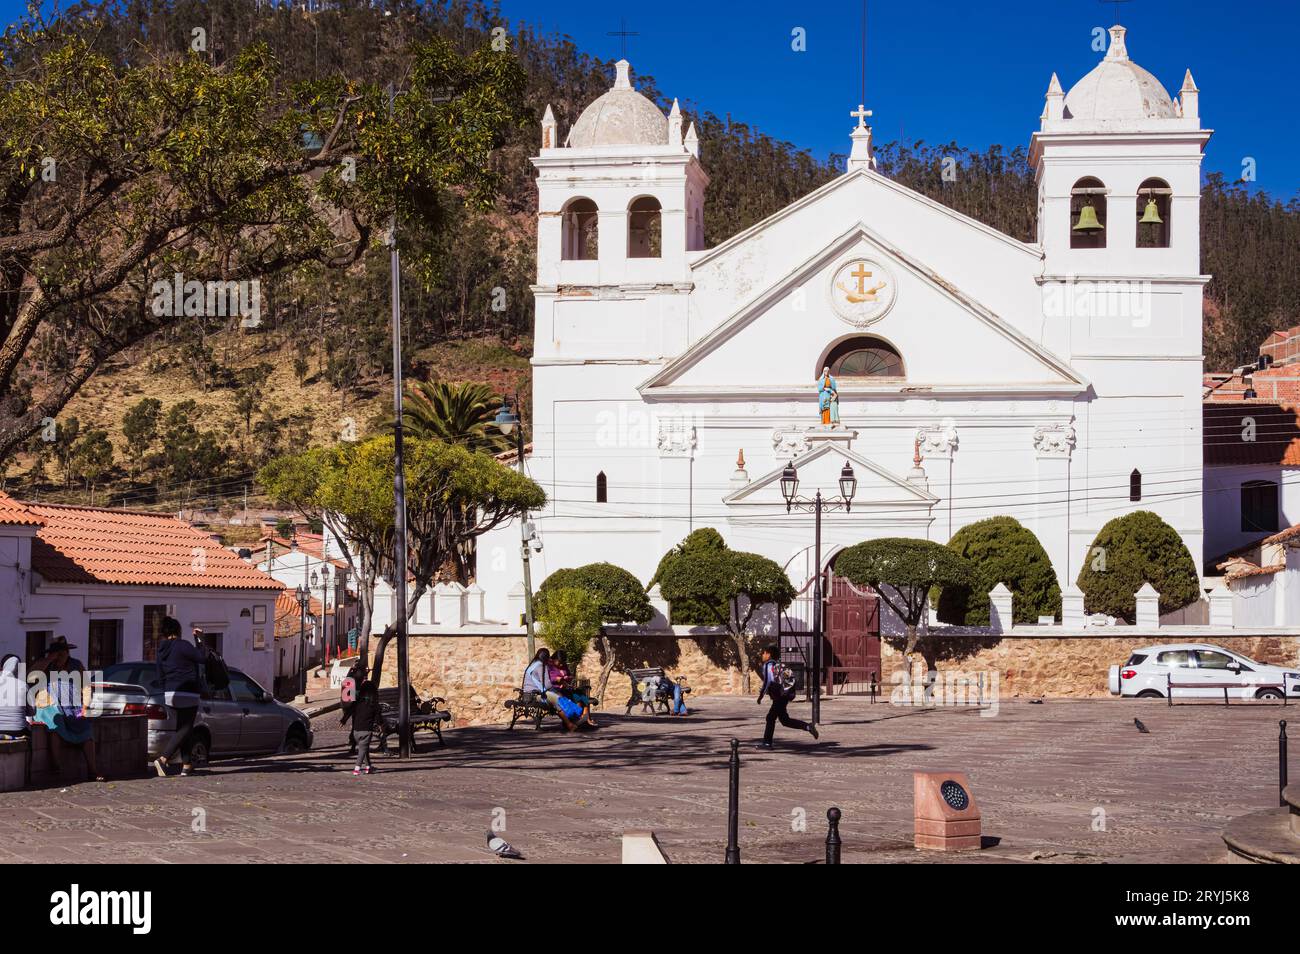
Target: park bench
{"x": 530, "y": 705}
{"x": 423, "y": 715}
{"x": 1170, "y": 686}
{"x": 663, "y": 694}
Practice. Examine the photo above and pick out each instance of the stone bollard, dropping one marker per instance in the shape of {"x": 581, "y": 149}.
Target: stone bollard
{"x": 833, "y": 836}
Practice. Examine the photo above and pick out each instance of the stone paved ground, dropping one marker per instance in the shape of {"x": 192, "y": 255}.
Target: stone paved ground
{"x": 1038, "y": 771}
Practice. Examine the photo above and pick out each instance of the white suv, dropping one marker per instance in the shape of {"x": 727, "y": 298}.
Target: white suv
{"x": 1199, "y": 670}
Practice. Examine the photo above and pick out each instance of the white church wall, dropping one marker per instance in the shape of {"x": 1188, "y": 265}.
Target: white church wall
{"x": 1223, "y": 531}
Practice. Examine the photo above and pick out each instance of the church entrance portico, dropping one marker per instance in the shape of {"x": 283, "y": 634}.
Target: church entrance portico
{"x": 850, "y": 626}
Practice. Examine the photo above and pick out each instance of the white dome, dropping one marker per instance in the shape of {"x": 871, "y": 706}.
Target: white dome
{"x": 621, "y": 117}
{"x": 1118, "y": 90}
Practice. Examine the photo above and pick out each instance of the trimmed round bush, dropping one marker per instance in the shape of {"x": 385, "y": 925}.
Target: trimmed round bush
{"x": 619, "y": 595}
{"x": 1000, "y": 550}
{"x": 1131, "y": 550}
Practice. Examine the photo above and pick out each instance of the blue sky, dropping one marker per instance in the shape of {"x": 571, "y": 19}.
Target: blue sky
{"x": 944, "y": 70}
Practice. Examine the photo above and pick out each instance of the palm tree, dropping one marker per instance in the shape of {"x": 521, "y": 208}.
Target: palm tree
{"x": 454, "y": 413}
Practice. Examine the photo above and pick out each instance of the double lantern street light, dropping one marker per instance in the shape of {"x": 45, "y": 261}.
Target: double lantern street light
{"x": 815, "y": 505}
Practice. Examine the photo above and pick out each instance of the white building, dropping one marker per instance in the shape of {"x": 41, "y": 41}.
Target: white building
{"x": 104, "y": 579}
{"x": 1057, "y": 381}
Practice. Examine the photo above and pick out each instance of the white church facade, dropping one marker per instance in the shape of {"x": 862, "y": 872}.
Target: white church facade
{"x": 1057, "y": 381}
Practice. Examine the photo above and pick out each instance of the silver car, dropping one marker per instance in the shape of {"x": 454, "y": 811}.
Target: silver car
{"x": 242, "y": 719}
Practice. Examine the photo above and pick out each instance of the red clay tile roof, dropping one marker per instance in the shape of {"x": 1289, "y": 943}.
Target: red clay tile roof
{"x": 288, "y": 616}
{"x": 1274, "y": 427}
{"x": 13, "y": 513}
{"x": 97, "y": 545}
{"x": 1290, "y": 533}
{"x": 1249, "y": 570}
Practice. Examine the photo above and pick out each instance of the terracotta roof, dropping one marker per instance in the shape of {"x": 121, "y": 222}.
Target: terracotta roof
{"x": 1274, "y": 426}
{"x": 312, "y": 544}
{"x": 288, "y": 616}
{"x": 15, "y": 514}
{"x": 1286, "y": 536}
{"x": 1248, "y": 570}
{"x": 99, "y": 545}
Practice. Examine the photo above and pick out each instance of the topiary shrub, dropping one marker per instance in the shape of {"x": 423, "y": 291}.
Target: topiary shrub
{"x": 1000, "y": 550}
{"x": 685, "y": 611}
{"x": 618, "y": 595}
{"x": 1131, "y": 550}
{"x": 570, "y": 620}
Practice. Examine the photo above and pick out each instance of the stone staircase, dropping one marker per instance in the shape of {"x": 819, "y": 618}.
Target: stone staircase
{"x": 1270, "y": 837}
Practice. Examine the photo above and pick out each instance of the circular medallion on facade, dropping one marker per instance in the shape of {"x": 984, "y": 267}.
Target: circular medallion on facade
{"x": 862, "y": 291}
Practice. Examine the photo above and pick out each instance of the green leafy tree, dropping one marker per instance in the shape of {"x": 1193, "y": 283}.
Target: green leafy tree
{"x": 1000, "y": 550}
{"x": 452, "y": 495}
{"x": 140, "y": 430}
{"x": 455, "y": 413}
{"x": 210, "y": 167}
{"x": 570, "y": 620}
{"x": 187, "y": 452}
{"x": 66, "y": 433}
{"x": 903, "y": 571}
{"x": 1131, "y": 550}
{"x": 686, "y": 611}
{"x": 92, "y": 457}
{"x": 619, "y": 596}
{"x": 730, "y": 586}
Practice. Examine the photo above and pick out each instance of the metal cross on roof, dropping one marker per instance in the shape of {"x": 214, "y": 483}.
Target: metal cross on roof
{"x": 623, "y": 34}
{"x": 1117, "y": 3}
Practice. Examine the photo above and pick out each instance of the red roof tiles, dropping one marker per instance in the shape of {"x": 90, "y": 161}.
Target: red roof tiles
{"x": 1251, "y": 432}
{"x": 98, "y": 545}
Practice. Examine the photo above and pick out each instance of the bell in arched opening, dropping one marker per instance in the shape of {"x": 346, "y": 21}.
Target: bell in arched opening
{"x": 1088, "y": 221}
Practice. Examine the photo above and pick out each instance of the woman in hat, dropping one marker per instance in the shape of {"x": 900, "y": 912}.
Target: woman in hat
{"x": 61, "y": 706}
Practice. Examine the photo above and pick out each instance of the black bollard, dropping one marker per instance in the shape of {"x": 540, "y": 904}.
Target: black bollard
{"x": 733, "y": 806}
{"x": 1281, "y": 762}
{"x": 833, "y": 836}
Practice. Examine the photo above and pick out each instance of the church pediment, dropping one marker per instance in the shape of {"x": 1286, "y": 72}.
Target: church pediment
{"x": 861, "y": 285}
{"x": 819, "y": 469}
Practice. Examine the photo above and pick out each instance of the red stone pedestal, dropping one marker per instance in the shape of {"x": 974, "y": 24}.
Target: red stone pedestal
{"x": 949, "y": 823}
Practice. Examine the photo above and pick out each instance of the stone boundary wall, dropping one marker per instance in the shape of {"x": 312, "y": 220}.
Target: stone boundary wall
{"x": 477, "y": 673}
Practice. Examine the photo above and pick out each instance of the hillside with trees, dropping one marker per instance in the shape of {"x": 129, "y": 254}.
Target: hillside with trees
{"x": 188, "y": 410}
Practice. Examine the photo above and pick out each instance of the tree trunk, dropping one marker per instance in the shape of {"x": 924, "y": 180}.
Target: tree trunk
{"x": 608, "y": 667}
{"x": 742, "y": 657}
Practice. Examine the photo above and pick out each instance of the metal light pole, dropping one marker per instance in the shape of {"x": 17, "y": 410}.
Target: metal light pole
{"x": 324, "y": 580}
{"x": 304, "y": 598}
{"x": 508, "y": 421}
{"x": 789, "y": 488}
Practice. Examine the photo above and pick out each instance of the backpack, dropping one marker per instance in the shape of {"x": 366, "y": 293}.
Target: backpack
{"x": 218, "y": 676}
{"x": 785, "y": 677}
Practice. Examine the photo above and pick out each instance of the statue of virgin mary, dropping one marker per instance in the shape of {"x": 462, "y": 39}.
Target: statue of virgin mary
{"x": 828, "y": 399}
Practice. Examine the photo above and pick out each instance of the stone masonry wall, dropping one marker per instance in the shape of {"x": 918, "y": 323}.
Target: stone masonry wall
{"x": 478, "y": 673}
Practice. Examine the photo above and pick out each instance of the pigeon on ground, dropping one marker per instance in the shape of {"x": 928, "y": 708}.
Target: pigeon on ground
{"x": 1141, "y": 728}
{"x": 502, "y": 848}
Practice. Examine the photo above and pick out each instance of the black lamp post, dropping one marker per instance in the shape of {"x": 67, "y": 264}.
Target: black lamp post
{"x": 304, "y": 599}
{"x": 508, "y": 422}
{"x": 815, "y": 505}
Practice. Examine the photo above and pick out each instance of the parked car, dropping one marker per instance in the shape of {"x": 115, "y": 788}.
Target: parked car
{"x": 1203, "y": 670}
{"x": 242, "y": 719}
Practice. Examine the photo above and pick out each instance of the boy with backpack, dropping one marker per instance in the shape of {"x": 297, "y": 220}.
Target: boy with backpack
{"x": 778, "y": 683}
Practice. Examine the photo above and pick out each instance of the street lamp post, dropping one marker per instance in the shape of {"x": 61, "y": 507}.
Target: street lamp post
{"x": 508, "y": 421}
{"x": 815, "y": 505}
{"x": 304, "y": 599}
{"x": 324, "y": 580}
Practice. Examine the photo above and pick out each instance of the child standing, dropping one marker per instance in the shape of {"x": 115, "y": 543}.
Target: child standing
{"x": 364, "y": 712}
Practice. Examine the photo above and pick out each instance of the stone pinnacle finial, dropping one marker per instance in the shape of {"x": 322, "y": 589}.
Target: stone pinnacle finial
{"x": 622, "y": 80}
{"x": 1118, "y": 49}
{"x": 916, "y": 452}
{"x": 740, "y": 461}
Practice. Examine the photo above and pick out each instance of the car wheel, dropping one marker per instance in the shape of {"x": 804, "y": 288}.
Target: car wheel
{"x": 201, "y": 748}
{"x": 1150, "y": 694}
{"x": 1268, "y": 694}
{"x": 295, "y": 742}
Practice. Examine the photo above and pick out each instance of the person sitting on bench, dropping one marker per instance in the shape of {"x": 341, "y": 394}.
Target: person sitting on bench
{"x": 562, "y": 680}
{"x": 537, "y": 680}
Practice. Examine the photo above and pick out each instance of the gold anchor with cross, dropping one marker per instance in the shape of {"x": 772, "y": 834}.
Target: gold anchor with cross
{"x": 863, "y": 293}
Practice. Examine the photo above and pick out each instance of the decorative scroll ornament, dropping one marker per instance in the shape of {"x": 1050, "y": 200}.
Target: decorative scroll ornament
{"x": 676, "y": 438}
{"x": 938, "y": 440}
{"x": 1054, "y": 440}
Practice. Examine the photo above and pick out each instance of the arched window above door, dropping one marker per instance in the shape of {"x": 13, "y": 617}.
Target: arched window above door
{"x": 864, "y": 356}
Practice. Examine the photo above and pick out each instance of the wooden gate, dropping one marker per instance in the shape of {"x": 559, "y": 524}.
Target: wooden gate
{"x": 852, "y": 637}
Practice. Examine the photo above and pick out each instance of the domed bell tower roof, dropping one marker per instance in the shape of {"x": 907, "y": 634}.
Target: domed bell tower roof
{"x": 620, "y": 117}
